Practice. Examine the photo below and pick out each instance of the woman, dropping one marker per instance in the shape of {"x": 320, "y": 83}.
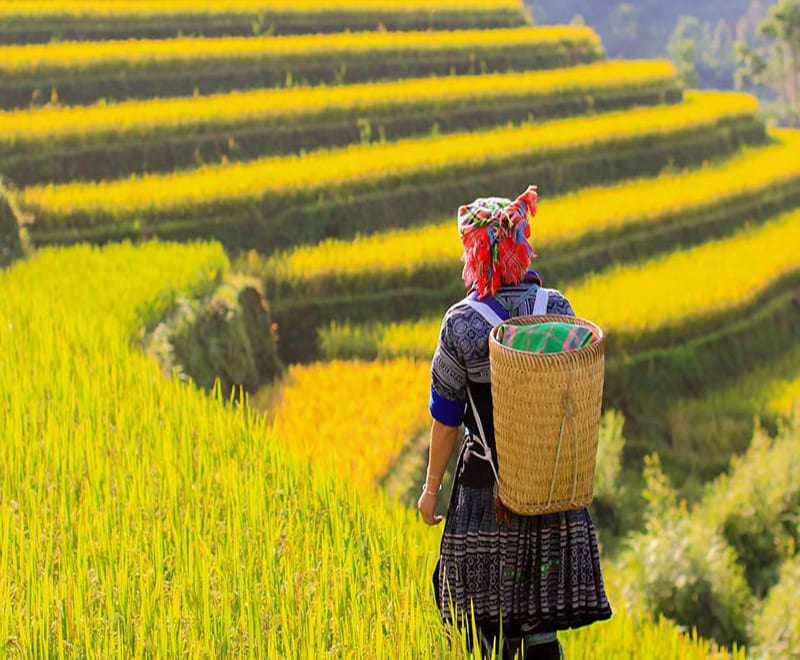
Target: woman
{"x": 541, "y": 573}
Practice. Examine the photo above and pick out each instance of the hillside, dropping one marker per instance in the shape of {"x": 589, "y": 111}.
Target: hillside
{"x": 199, "y": 196}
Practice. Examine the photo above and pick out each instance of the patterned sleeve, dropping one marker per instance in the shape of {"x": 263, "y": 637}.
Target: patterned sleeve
{"x": 558, "y": 304}
{"x": 448, "y": 397}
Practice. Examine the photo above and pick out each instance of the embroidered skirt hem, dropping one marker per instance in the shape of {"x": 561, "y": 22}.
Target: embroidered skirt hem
{"x": 543, "y": 572}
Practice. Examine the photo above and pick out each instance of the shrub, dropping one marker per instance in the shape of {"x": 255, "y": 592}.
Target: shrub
{"x": 10, "y": 243}
{"x": 227, "y": 336}
{"x": 755, "y": 506}
{"x": 683, "y": 570}
{"x": 776, "y": 626}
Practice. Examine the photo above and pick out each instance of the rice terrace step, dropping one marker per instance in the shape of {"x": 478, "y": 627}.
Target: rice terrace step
{"x": 83, "y": 72}
{"x": 104, "y": 141}
{"x": 40, "y": 20}
{"x": 412, "y": 271}
{"x": 338, "y": 192}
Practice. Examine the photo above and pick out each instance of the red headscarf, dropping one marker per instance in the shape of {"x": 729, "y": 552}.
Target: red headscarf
{"x": 495, "y": 232}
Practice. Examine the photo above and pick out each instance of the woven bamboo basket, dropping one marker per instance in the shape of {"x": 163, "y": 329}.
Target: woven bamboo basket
{"x": 546, "y": 421}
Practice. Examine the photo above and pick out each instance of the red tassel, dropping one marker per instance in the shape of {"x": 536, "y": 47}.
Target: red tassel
{"x": 502, "y": 514}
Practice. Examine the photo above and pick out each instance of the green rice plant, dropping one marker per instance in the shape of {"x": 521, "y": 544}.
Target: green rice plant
{"x": 274, "y": 202}
{"x": 84, "y": 72}
{"x": 41, "y": 20}
{"x": 103, "y": 141}
{"x": 721, "y": 422}
{"x": 140, "y": 517}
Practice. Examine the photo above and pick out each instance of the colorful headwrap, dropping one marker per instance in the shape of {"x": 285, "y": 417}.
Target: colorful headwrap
{"x": 495, "y": 232}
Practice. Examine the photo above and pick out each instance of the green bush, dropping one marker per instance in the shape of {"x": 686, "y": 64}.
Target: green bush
{"x": 10, "y": 243}
{"x": 756, "y": 505}
{"x": 227, "y": 336}
{"x": 683, "y": 570}
{"x": 612, "y": 506}
{"x": 776, "y": 627}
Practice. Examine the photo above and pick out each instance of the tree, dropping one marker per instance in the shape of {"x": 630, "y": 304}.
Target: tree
{"x": 782, "y": 25}
{"x": 683, "y": 48}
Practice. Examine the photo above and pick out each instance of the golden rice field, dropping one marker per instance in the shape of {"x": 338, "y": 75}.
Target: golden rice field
{"x": 123, "y": 8}
{"x": 360, "y": 435}
{"x": 27, "y": 59}
{"x": 561, "y": 219}
{"x": 164, "y": 195}
{"x": 140, "y": 517}
{"x": 712, "y": 277}
{"x": 141, "y": 118}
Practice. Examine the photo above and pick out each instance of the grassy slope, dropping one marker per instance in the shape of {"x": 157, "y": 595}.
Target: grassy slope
{"x": 146, "y": 517}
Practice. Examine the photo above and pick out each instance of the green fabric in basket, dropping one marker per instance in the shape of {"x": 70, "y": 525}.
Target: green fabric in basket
{"x": 551, "y": 337}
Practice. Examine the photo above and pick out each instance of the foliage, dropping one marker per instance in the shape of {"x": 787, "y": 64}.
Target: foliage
{"x": 776, "y": 63}
{"x": 776, "y": 629}
{"x": 756, "y": 505}
{"x": 228, "y": 335}
{"x": 607, "y": 484}
{"x": 610, "y": 509}
{"x": 683, "y": 570}
{"x": 699, "y": 36}
{"x": 737, "y": 538}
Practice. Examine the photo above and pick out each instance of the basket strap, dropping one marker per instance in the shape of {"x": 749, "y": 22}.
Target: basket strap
{"x": 487, "y": 452}
{"x": 570, "y": 412}
{"x": 485, "y": 311}
{"x": 540, "y": 304}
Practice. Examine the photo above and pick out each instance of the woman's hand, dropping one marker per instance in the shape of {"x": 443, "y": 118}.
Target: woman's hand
{"x": 443, "y": 440}
{"x": 427, "y": 506}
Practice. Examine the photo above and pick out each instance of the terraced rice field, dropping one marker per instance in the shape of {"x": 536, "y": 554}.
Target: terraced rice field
{"x": 37, "y": 20}
{"x": 709, "y": 276}
{"x": 331, "y": 145}
{"x": 428, "y": 255}
{"x": 183, "y": 517}
{"x": 83, "y": 72}
{"x": 256, "y": 197}
{"x": 111, "y": 140}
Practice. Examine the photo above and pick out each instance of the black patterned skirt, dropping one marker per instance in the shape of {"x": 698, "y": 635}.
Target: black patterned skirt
{"x": 542, "y": 572}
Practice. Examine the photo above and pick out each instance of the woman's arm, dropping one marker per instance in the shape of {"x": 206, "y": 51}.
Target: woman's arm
{"x": 443, "y": 441}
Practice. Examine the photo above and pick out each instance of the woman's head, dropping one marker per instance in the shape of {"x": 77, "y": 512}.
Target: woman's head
{"x": 495, "y": 232}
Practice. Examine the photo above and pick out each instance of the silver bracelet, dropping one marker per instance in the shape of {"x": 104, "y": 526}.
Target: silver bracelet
{"x": 429, "y": 492}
